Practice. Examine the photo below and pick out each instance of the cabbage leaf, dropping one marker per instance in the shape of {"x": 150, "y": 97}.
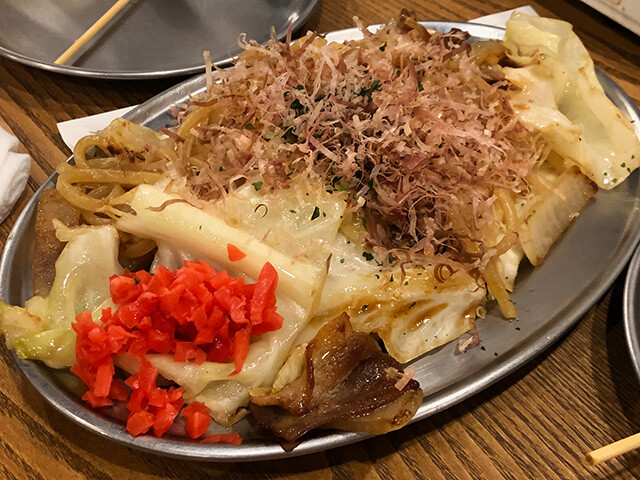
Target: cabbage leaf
{"x": 561, "y": 97}
{"x": 41, "y": 330}
{"x": 412, "y": 312}
{"x": 293, "y": 231}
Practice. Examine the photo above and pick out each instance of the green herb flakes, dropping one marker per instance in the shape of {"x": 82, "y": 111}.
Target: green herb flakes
{"x": 368, "y": 256}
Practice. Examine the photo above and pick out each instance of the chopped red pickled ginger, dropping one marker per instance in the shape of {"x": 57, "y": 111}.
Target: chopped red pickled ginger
{"x": 235, "y": 253}
{"x": 149, "y": 405}
{"x": 194, "y": 313}
{"x": 198, "y": 419}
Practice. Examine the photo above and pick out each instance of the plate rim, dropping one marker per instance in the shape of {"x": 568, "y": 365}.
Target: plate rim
{"x": 432, "y": 404}
{"x": 71, "y": 70}
{"x": 630, "y": 310}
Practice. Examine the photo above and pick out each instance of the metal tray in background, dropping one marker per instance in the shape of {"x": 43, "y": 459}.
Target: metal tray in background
{"x": 550, "y": 299}
{"x": 631, "y": 310}
{"x": 147, "y": 39}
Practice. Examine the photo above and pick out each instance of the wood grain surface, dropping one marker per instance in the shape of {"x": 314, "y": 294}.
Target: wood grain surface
{"x": 536, "y": 423}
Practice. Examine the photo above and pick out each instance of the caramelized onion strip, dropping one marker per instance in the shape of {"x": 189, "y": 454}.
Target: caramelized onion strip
{"x": 137, "y": 248}
{"x": 496, "y": 287}
{"x": 84, "y": 144}
{"x": 75, "y": 175}
{"x": 506, "y": 204}
{"x": 213, "y": 115}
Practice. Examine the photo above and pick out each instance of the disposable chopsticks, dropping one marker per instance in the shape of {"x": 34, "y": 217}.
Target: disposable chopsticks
{"x": 91, "y": 31}
{"x": 613, "y": 450}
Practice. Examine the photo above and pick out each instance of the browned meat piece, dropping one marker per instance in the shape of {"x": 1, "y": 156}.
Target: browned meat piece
{"x": 47, "y": 247}
{"x": 346, "y": 385}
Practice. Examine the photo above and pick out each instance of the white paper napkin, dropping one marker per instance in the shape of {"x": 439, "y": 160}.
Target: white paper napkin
{"x": 14, "y": 172}
{"x": 74, "y": 130}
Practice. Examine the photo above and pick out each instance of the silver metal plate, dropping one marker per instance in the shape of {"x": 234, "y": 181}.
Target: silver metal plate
{"x": 550, "y": 299}
{"x": 147, "y": 39}
{"x": 631, "y": 310}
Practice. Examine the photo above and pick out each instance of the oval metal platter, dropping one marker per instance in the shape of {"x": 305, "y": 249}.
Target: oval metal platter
{"x": 146, "y": 39}
{"x": 550, "y": 299}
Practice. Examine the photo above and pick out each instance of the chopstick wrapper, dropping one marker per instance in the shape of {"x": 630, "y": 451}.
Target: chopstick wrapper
{"x": 14, "y": 172}
{"x": 74, "y": 130}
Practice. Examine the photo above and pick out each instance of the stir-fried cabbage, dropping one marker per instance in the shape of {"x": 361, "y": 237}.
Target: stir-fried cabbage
{"x": 413, "y": 309}
{"x": 325, "y": 263}
{"x": 561, "y": 97}
{"x": 552, "y": 211}
{"x": 295, "y": 239}
{"x": 42, "y": 329}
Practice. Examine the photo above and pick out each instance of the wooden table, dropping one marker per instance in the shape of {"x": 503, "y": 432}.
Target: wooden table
{"x": 536, "y": 423}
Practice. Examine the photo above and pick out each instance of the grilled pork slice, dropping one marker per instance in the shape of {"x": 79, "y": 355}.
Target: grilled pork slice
{"x": 47, "y": 247}
{"x": 347, "y": 383}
